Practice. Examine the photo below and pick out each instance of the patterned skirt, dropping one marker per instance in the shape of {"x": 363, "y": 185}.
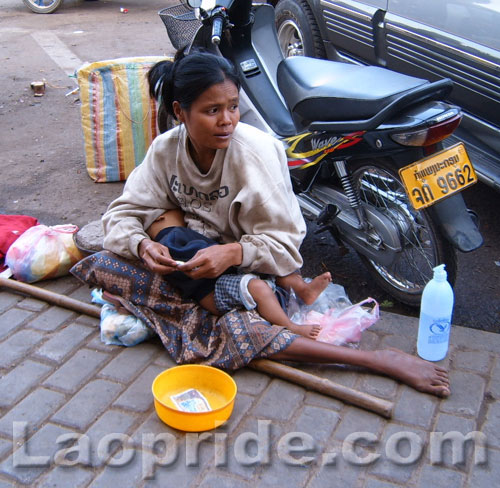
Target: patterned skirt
{"x": 188, "y": 332}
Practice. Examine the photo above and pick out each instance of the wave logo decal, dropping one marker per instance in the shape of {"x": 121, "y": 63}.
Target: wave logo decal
{"x": 315, "y": 147}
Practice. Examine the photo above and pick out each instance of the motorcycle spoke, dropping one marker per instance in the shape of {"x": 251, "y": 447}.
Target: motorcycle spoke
{"x": 412, "y": 267}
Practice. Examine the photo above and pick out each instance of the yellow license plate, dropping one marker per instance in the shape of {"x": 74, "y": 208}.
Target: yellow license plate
{"x": 431, "y": 179}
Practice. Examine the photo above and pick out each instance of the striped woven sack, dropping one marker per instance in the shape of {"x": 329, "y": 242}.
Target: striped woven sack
{"x": 119, "y": 119}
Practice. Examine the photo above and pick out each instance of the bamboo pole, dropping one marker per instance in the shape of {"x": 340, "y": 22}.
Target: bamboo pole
{"x": 325, "y": 386}
{"x": 51, "y": 297}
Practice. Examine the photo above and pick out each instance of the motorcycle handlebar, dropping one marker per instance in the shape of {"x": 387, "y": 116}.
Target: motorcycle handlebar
{"x": 217, "y": 25}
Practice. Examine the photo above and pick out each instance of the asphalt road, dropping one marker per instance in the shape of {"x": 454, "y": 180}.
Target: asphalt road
{"x": 42, "y": 158}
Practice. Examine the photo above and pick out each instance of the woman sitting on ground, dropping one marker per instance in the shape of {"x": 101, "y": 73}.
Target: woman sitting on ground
{"x": 232, "y": 184}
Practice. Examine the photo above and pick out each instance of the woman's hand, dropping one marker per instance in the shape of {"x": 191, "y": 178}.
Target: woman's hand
{"x": 157, "y": 257}
{"x": 212, "y": 261}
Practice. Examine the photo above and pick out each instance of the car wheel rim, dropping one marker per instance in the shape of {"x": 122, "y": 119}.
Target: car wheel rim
{"x": 290, "y": 39}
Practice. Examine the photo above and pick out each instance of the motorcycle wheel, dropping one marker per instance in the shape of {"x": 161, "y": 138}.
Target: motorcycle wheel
{"x": 423, "y": 245}
{"x": 43, "y": 6}
{"x": 298, "y": 32}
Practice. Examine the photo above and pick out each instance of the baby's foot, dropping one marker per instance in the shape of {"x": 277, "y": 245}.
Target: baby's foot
{"x": 115, "y": 300}
{"x": 313, "y": 289}
{"x": 306, "y": 330}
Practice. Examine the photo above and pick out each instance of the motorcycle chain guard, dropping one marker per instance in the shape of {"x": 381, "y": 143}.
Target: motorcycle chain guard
{"x": 380, "y": 243}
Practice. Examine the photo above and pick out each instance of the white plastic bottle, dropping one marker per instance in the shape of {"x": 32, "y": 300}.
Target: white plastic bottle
{"x": 435, "y": 317}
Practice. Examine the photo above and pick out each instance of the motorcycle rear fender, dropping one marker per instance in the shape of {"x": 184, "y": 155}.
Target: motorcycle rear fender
{"x": 457, "y": 224}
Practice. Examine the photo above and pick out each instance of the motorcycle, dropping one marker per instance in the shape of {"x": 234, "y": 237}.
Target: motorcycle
{"x": 364, "y": 144}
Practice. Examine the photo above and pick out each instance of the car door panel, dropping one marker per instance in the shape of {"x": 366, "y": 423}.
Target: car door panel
{"x": 354, "y": 28}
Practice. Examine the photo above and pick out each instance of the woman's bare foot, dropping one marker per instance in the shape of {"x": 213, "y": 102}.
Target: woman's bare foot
{"x": 415, "y": 372}
{"x": 306, "y": 330}
{"x": 115, "y": 300}
{"x": 311, "y": 290}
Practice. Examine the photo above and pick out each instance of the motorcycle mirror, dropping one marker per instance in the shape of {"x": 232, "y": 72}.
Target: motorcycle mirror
{"x": 194, "y": 3}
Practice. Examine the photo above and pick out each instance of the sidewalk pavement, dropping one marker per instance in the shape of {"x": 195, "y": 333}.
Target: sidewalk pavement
{"x": 75, "y": 412}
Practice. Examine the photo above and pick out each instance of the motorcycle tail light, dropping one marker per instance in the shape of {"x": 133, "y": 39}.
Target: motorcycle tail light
{"x": 428, "y": 135}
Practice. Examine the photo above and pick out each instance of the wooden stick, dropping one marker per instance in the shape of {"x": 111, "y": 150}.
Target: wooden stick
{"x": 325, "y": 386}
{"x": 51, "y": 297}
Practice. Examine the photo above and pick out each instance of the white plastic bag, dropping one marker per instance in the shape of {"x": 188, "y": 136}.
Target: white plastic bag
{"x": 42, "y": 252}
{"x": 119, "y": 329}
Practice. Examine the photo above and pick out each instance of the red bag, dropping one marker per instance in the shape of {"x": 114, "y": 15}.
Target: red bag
{"x": 11, "y": 227}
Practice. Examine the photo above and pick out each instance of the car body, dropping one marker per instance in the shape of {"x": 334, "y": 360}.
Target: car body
{"x": 431, "y": 39}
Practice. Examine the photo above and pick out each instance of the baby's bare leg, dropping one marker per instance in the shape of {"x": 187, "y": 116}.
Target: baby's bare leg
{"x": 270, "y": 309}
{"x": 308, "y": 292}
{"x": 208, "y": 303}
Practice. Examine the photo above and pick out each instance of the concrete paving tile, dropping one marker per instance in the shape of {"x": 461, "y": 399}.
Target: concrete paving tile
{"x": 491, "y": 426}
{"x": 379, "y": 386}
{"x": 36, "y": 456}
{"x": 282, "y": 474}
{"x": 128, "y": 475}
{"x": 406, "y": 344}
{"x": 357, "y": 420}
{"x": 486, "y": 475}
{"x": 63, "y": 477}
{"x": 374, "y": 483}
{"x": 64, "y": 342}
{"x": 32, "y": 304}
{"x": 6, "y": 484}
{"x": 473, "y": 339}
{"x": 63, "y": 285}
{"x": 467, "y": 392}
{"x": 242, "y": 407}
{"x": 319, "y": 400}
{"x": 138, "y": 396}
{"x": 251, "y": 382}
{"x": 335, "y": 473}
{"x": 16, "y": 347}
{"x": 478, "y": 361}
{"x": 5, "y": 448}
{"x": 101, "y": 434}
{"x": 51, "y": 319}
{"x": 400, "y": 448}
{"x": 91, "y": 401}
{"x": 494, "y": 382}
{"x": 451, "y": 423}
{"x": 215, "y": 480}
{"x": 129, "y": 362}
{"x": 77, "y": 370}
{"x": 18, "y": 381}
{"x": 279, "y": 401}
{"x": 8, "y": 300}
{"x": 415, "y": 408}
{"x": 12, "y": 319}
{"x": 319, "y": 423}
{"x": 440, "y": 477}
{"x": 154, "y": 426}
{"x": 33, "y": 409}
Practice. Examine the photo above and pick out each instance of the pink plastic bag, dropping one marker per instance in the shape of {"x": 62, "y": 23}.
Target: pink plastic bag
{"x": 342, "y": 326}
{"x": 43, "y": 252}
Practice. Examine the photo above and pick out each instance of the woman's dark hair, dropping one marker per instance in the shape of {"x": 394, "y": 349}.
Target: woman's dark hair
{"x": 187, "y": 77}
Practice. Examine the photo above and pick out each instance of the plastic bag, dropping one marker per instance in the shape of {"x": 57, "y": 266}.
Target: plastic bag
{"x": 341, "y": 322}
{"x": 119, "y": 329}
{"x": 342, "y": 326}
{"x": 42, "y": 252}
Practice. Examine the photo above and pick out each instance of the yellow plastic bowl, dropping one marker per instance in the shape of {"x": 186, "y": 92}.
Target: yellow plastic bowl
{"x": 215, "y": 385}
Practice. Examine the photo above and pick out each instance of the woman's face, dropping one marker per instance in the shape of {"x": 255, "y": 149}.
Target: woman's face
{"x": 211, "y": 120}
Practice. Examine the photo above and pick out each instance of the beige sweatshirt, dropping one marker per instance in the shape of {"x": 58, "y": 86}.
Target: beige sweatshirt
{"x": 245, "y": 197}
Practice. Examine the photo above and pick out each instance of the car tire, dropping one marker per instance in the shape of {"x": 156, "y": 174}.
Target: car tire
{"x": 298, "y": 31}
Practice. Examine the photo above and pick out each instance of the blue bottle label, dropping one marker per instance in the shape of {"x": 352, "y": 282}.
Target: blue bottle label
{"x": 439, "y": 330}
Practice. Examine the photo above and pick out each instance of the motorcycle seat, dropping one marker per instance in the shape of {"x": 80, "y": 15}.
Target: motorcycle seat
{"x": 318, "y": 89}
